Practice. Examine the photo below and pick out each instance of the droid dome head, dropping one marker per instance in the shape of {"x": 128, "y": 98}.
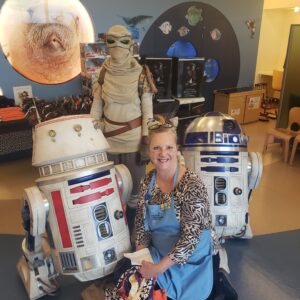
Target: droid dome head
{"x": 215, "y": 131}
{"x": 66, "y": 141}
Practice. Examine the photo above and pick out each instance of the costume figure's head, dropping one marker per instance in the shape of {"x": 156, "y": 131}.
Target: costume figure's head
{"x": 118, "y": 42}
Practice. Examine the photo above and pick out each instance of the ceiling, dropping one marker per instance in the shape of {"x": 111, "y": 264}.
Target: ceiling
{"x": 279, "y": 4}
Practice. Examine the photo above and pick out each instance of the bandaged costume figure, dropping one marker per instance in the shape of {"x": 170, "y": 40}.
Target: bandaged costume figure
{"x": 123, "y": 105}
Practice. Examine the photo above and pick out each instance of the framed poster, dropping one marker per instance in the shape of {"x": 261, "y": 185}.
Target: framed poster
{"x": 21, "y": 93}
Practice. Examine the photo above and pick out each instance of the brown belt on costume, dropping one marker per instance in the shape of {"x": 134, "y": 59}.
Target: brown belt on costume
{"x": 126, "y": 126}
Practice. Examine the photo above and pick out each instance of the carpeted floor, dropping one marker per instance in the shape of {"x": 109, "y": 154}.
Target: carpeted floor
{"x": 263, "y": 268}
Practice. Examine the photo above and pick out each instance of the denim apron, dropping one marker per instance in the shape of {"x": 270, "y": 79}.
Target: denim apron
{"x": 193, "y": 280}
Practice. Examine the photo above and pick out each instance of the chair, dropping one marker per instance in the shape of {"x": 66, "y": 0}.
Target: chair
{"x": 270, "y": 103}
{"x": 285, "y": 135}
{"x": 295, "y": 145}
{"x": 275, "y": 99}
{"x": 263, "y": 116}
{"x": 277, "y": 83}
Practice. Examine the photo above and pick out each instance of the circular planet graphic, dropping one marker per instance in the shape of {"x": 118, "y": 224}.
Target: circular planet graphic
{"x": 211, "y": 70}
{"x": 182, "y": 49}
{"x": 41, "y": 39}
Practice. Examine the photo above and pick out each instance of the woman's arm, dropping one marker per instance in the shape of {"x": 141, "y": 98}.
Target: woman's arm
{"x": 143, "y": 237}
{"x": 193, "y": 207}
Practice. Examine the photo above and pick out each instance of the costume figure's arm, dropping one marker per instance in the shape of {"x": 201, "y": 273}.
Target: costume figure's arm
{"x": 147, "y": 114}
{"x": 147, "y": 111}
{"x": 148, "y": 89}
{"x": 97, "y": 105}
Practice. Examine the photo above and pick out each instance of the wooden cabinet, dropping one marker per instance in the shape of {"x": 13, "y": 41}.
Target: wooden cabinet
{"x": 243, "y": 104}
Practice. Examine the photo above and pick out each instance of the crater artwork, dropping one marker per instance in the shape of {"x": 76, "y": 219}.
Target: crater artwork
{"x": 41, "y": 38}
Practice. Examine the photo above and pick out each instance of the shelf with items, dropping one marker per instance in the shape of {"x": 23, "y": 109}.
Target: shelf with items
{"x": 189, "y": 109}
{"x": 185, "y": 109}
{"x": 92, "y": 57}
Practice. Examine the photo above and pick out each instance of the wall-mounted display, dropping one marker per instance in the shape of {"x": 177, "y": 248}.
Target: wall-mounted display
{"x": 136, "y": 24}
{"x": 161, "y": 69}
{"x": 92, "y": 50}
{"x": 251, "y": 26}
{"x": 197, "y": 29}
{"x": 21, "y": 93}
{"x": 41, "y": 38}
{"x": 188, "y": 74}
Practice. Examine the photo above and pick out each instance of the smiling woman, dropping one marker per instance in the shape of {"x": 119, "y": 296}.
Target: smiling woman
{"x": 41, "y": 39}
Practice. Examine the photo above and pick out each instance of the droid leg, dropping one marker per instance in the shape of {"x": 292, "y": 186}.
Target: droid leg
{"x": 223, "y": 260}
{"x": 248, "y": 231}
{"x": 36, "y": 267}
{"x": 37, "y": 272}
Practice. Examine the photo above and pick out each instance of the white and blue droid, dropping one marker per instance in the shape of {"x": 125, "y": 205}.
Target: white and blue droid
{"x": 74, "y": 216}
{"x": 215, "y": 147}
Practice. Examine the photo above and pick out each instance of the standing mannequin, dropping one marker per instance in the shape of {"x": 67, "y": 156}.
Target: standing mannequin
{"x": 123, "y": 106}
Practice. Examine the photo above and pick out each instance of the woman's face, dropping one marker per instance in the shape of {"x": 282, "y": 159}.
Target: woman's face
{"x": 163, "y": 150}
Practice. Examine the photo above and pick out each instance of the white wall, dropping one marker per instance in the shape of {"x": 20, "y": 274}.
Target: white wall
{"x": 273, "y": 39}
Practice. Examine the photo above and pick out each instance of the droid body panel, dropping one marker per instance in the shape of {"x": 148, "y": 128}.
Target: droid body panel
{"x": 216, "y": 148}
{"x": 74, "y": 216}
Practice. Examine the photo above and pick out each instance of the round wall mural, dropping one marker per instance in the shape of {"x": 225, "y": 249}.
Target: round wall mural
{"x": 41, "y": 38}
{"x": 209, "y": 32}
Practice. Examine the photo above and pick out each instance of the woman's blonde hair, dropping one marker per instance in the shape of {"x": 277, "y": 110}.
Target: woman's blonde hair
{"x": 161, "y": 124}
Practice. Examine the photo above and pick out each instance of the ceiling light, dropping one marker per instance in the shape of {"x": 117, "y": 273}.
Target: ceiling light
{"x": 296, "y": 9}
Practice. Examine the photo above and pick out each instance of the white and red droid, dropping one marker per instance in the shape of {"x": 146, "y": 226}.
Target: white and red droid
{"x": 74, "y": 216}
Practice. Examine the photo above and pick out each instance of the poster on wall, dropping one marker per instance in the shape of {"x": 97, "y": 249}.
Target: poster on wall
{"x": 21, "y": 93}
{"x": 40, "y": 39}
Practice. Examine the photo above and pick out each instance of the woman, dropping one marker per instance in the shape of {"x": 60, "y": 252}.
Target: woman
{"x": 174, "y": 221}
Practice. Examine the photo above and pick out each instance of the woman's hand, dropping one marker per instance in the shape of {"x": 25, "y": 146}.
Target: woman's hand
{"x": 149, "y": 270}
{"x": 139, "y": 247}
